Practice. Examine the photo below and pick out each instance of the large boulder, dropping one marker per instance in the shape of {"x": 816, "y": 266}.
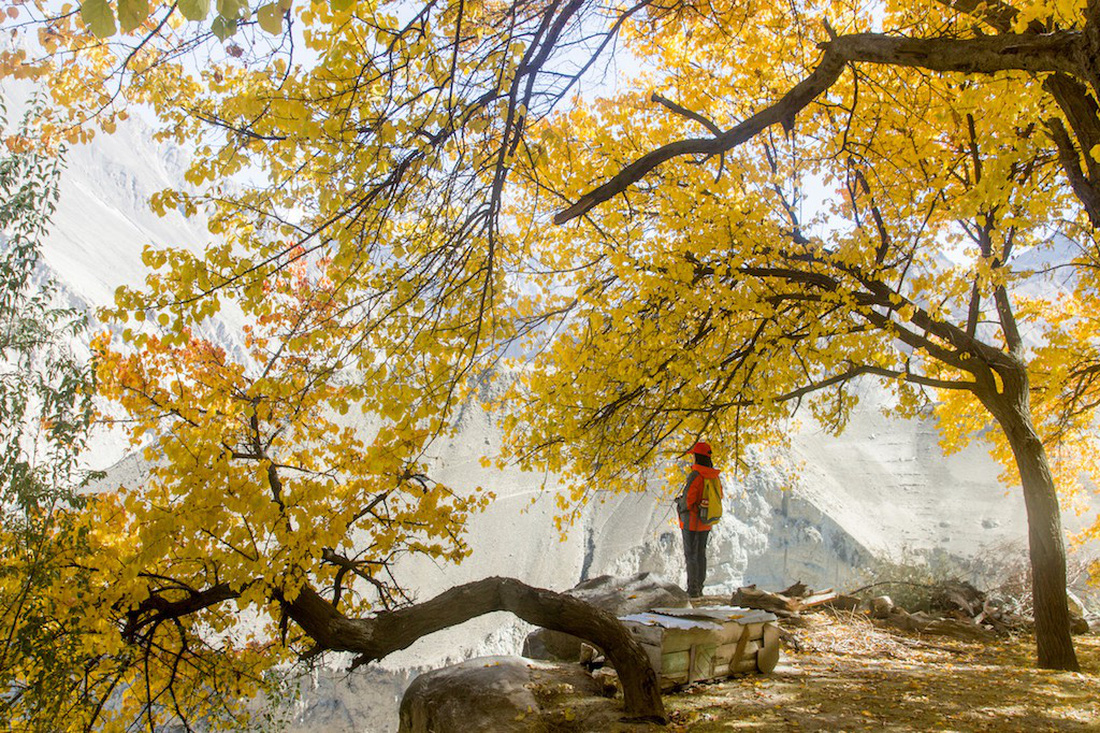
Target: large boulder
{"x": 506, "y": 694}
{"x": 1078, "y": 614}
{"x": 616, "y": 595}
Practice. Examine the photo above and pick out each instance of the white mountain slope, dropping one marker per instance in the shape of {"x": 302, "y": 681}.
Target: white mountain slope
{"x": 103, "y": 218}
{"x": 102, "y": 223}
{"x": 817, "y": 512}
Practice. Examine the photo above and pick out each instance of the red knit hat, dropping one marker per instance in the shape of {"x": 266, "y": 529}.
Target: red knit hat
{"x": 700, "y": 448}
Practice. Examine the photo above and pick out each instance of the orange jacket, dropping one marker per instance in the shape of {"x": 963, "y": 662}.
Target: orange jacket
{"x": 693, "y": 490}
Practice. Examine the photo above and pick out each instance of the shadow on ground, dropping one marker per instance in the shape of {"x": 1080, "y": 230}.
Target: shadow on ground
{"x": 848, "y": 675}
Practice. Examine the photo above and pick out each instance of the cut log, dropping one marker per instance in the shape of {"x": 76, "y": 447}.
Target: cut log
{"x": 899, "y": 619}
{"x": 818, "y": 599}
{"x": 842, "y": 602}
{"x": 882, "y": 607}
{"x": 957, "y": 595}
{"x": 751, "y": 597}
{"x": 739, "y": 652}
{"x": 768, "y": 655}
{"x": 963, "y": 630}
{"x": 922, "y": 623}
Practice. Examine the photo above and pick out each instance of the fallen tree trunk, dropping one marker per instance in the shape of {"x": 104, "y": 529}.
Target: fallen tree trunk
{"x": 378, "y": 636}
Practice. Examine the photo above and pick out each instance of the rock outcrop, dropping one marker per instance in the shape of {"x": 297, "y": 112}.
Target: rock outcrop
{"x": 506, "y": 694}
{"x": 619, "y": 596}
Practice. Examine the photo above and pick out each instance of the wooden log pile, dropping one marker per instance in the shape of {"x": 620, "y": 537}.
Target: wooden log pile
{"x": 792, "y": 601}
{"x": 955, "y": 608}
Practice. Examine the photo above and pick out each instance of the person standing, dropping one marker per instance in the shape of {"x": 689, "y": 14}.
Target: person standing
{"x": 693, "y": 523}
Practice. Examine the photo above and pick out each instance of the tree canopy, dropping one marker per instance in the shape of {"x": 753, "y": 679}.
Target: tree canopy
{"x": 855, "y": 212}
{"x": 761, "y": 203}
{"x": 872, "y": 237}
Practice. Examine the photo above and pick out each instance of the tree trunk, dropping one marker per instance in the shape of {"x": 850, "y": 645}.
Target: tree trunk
{"x": 1012, "y": 410}
{"x": 374, "y": 638}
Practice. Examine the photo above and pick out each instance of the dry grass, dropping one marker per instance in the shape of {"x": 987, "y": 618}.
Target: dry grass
{"x": 844, "y": 674}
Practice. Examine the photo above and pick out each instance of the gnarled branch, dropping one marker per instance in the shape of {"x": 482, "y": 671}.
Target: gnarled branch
{"x": 376, "y": 637}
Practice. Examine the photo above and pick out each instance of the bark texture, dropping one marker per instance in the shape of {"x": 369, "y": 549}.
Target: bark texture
{"x": 374, "y": 638}
{"x": 1010, "y": 406}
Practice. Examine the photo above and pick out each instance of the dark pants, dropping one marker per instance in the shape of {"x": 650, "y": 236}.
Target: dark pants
{"x": 695, "y": 553}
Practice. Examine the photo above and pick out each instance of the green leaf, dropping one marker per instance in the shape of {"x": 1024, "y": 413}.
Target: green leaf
{"x": 223, "y": 28}
{"x": 99, "y": 17}
{"x": 131, "y": 13}
{"x": 194, "y": 9}
{"x": 270, "y": 17}
{"x": 233, "y": 9}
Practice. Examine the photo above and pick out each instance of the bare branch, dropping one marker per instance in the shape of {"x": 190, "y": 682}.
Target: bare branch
{"x": 685, "y": 112}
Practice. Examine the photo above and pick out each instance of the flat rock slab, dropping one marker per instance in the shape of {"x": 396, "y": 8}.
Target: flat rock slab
{"x": 504, "y": 694}
{"x": 688, "y": 645}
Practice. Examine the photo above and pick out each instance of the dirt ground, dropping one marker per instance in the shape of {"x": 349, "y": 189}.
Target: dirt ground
{"x": 844, "y": 674}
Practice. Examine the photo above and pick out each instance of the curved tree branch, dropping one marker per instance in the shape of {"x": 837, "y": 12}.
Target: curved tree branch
{"x": 389, "y": 631}
{"x": 685, "y": 112}
{"x": 376, "y": 637}
{"x": 1059, "y": 53}
{"x": 156, "y": 609}
{"x": 868, "y": 370}
{"x": 783, "y": 111}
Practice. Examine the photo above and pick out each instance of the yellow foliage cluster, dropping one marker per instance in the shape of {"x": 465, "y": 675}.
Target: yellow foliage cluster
{"x": 720, "y": 295}
{"x": 259, "y": 473}
{"x": 370, "y": 297}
